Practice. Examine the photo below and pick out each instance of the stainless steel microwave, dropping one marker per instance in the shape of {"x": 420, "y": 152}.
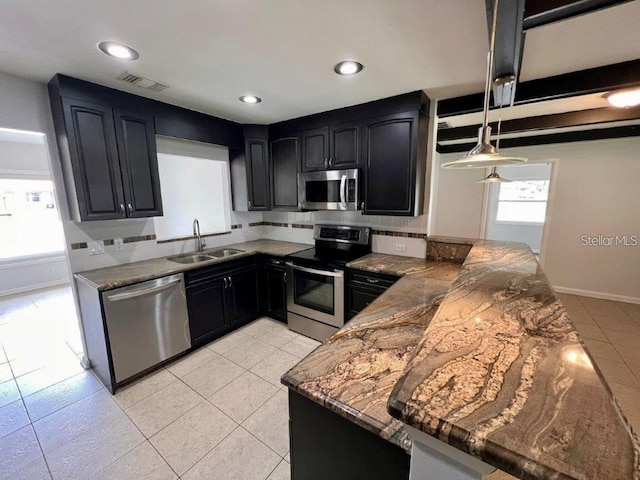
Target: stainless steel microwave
{"x": 329, "y": 190}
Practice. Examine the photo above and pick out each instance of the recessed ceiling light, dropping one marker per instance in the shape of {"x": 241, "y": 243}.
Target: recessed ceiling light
{"x": 348, "y": 67}
{"x": 624, "y": 98}
{"x": 118, "y": 50}
{"x": 250, "y": 99}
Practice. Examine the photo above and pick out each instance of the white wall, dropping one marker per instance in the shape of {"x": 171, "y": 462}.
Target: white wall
{"x": 595, "y": 193}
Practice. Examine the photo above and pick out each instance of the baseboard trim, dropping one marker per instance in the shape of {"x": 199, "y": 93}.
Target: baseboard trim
{"x": 29, "y": 288}
{"x": 589, "y": 293}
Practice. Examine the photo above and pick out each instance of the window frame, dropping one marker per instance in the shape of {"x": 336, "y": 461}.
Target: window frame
{"x": 527, "y": 223}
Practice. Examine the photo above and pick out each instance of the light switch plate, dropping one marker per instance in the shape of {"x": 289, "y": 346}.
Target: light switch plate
{"x": 119, "y": 244}
{"x": 99, "y": 247}
{"x": 401, "y": 247}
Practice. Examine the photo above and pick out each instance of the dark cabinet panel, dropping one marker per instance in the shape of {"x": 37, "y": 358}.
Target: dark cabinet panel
{"x": 243, "y": 296}
{"x": 359, "y": 298}
{"x": 257, "y": 162}
{"x": 315, "y": 149}
{"x": 363, "y": 288}
{"x": 207, "y": 312}
{"x": 139, "y": 164}
{"x": 285, "y": 158}
{"x": 345, "y": 145}
{"x": 94, "y": 160}
{"x": 390, "y": 160}
{"x": 275, "y": 292}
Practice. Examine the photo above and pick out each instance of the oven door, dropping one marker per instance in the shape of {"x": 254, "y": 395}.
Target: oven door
{"x": 316, "y": 294}
{"x": 330, "y": 190}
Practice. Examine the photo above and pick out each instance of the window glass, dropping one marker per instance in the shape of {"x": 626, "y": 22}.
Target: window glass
{"x": 523, "y": 201}
{"x": 29, "y": 221}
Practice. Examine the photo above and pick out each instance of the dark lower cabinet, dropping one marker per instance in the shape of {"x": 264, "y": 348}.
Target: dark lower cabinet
{"x": 363, "y": 288}
{"x": 325, "y": 446}
{"x": 274, "y": 285}
{"x": 207, "y": 312}
{"x": 285, "y": 158}
{"x": 243, "y": 297}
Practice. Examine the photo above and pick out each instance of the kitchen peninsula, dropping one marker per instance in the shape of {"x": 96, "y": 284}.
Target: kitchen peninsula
{"x": 498, "y": 372}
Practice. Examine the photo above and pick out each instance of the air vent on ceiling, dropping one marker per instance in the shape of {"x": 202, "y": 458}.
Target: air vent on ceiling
{"x": 142, "y": 82}
{"x": 443, "y": 125}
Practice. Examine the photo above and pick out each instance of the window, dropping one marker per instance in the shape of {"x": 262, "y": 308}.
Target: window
{"x": 523, "y": 201}
{"x": 29, "y": 221}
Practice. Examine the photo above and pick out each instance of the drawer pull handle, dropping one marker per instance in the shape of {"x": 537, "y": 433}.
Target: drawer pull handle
{"x": 372, "y": 280}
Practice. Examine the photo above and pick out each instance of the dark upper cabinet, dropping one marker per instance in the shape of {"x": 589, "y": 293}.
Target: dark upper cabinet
{"x": 393, "y": 162}
{"x": 207, "y": 311}
{"x": 345, "y": 144}
{"x": 139, "y": 164}
{"x": 93, "y": 160}
{"x": 257, "y": 171}
{"x": 243, "y": 296}
{"x": 285, "y": 158}
{"x": 108, "y": 159}
{"x": 315, "y": 149}
{"x": 333, "y": 147}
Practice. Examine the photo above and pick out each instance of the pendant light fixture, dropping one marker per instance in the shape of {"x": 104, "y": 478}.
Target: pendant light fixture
{"x": 484, "y": 154}
{"x": 494, "y": 176}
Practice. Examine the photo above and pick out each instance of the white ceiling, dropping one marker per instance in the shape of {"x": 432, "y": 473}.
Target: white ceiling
{"x": 212, "y": 51}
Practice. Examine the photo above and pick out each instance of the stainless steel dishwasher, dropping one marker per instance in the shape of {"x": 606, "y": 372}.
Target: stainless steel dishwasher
{"x": 146, "y": 324}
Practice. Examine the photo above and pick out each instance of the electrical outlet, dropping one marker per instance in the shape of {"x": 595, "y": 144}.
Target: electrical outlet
{"x": 96, "y": 248}
{"x": 119, "y": 244}
{"x": 290, "y": 227}
{"x": 401, "y": 247}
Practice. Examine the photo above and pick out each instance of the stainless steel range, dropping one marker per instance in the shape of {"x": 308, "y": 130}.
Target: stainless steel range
{"x": 315, "y": 293}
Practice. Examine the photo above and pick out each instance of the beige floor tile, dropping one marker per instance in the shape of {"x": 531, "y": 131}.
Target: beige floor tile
{"x": 602, "y": 350}
{"x": 163, "y": 407}
{"x": 631, "y": 356}
{"x": 243, "y": 396}
{"x": 36, "y": 470}
{"x": 143, "y": 388}
{"x": 192, "y": 361}
{"x": 300, "y": 346}
{"x": 287, "y": 457}
{"x": 260, "y": 327}
{"x": 628, "y": 398}
{"x": 249, "y": 353}
{"x": 625, "y": 324}
{"x": 617, "y": 372}
{"x": 94, "y": 450}
{"x": 632, "y": 309}
{"x": 5, "y": 373}
{"x": 187, "y": 440}
{"x": 3, "y": 357}
{"x": 226, "y": 343}
{"x": 274, "y": 366}
{"x": 581, "y": 318}
{"x": 277, "y": 336}
{"x": 9, "y": 392}
{"x": 64, "y": 425}
{"x": 594, "y": 333}
{"x": 270, "y": 423}
{"x": 13, "y": 417}
{"x": 282, "y": 472}
{"x": 17, "y": 450}
{"x": 47, "y": 376}
{"x": 603, "y": 308}
{"x": 240, "y": 456}
{"x": 52, "y": 399}
{"x": 499, "y": 475}
{"x": 569, "y": 300}
{"x": 141, "y": 463}
{"x": 212, "y": 376}
{"x": 622, "y": 339}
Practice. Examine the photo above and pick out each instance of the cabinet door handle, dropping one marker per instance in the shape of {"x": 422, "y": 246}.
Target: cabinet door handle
{"x": 331, "y": 162}
{"x": 285, "y": 277}
{"x": 326, "y": 163}
{"x": 130, "y": 207}
{"x": 230, "y": 282}
{"x": 226, "y": 282}
{"x": 372, "y": 280}
{"x": 362, "y": 206}
{"x": 249, "y": 203}
{"x": 122, "y": 210}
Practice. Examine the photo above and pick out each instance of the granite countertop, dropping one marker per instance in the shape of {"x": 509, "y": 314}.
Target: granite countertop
{"x": 395, "y": 264}
{"x": 501, "y": 374}
{"x": 127, "y": 274}
{"x": 353, "y": 372}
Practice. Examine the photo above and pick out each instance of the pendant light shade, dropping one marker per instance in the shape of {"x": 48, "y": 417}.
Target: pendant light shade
{"x": 484, "y": 154}
{"x": 493, "y": 177}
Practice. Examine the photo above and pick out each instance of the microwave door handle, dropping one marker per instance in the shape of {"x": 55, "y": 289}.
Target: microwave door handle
{"x": 343, "y": 191}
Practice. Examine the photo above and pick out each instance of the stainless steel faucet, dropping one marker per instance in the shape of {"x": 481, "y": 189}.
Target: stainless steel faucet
{"x": 196, "y": 233}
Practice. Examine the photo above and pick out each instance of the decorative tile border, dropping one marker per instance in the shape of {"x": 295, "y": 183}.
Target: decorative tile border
{"x": 302, "y": 225}
{"x": 393, "y": 233}
{"x": 110, "y": 241}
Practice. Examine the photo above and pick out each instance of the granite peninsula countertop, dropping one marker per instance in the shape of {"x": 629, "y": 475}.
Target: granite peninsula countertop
{"x": 500, "y": 373}
{"x": 397, "y": 265}
{"x": 353, "y": 372}
{"x": 127, "y": 274}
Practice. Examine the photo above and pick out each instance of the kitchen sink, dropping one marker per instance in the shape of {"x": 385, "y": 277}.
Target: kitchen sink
{"x": 225, "y": 252}
{"x": 188, "y": 259}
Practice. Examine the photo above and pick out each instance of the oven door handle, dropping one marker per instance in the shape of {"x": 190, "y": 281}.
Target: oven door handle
{"x": 324, "y": 273}
{"x": 343, "y": 191}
